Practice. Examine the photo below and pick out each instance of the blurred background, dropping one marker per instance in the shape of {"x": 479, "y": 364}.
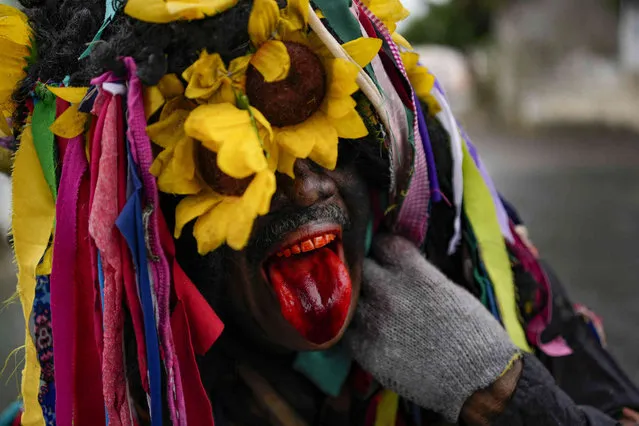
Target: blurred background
{"x": 549, "y": 91}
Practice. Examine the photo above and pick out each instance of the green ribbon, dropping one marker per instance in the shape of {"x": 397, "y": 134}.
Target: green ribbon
{"x": 43, "y": 117}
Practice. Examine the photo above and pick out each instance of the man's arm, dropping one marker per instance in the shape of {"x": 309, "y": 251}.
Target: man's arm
{"x": 527, "y": 395}
{"x": 432, "y": 342}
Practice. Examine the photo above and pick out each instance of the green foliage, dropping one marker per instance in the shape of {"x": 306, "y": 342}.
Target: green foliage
{"x": 458, "y": 23}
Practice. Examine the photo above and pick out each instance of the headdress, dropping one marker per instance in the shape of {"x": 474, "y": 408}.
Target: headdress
{"x": 91, "y": 243}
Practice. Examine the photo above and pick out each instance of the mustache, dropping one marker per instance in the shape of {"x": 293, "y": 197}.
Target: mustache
{"x": 288, "y": 221}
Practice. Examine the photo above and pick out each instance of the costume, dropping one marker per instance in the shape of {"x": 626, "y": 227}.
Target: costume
{"x": 96, "y": 156}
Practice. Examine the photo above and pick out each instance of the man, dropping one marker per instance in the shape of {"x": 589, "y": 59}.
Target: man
{"x": 287, "y": 234}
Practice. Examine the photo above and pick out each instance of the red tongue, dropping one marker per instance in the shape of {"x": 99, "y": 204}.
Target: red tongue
{"x": 314, "y": 290}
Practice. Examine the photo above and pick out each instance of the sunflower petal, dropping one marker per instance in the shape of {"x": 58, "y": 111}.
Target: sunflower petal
{"x": 350, "y": 126}
{"x": 215, "y": 124}
{"x": 272, "y": 61}
{"x": 262, "y": 123}
{"x": 401, "y": 41}
{"x": 153, "y": 100}
{"x": 263, "y": 21}
{"x": 342, "y": 77}
{"x": 211, "y": 228}
{"x": 178, "y": 174}
{"x": 296, "y": 14}
{"x": 194, "y": 206}
{"x": 239, "y": 229}
{"x": 166, "y": 132}
{"x": 171, "y": 86}
{"x": 154, "y": 11}
{"x": 325, "y": 150}
{"x": 239, "y": 65}
{"x": 339, "y": 107}
{"x": 363, "y": 49}
{"x": 410, "y": 60}
{"x": 242, "y": 157}
{"x": 298, "y": 140}
{"x": 162, "y": 12}
{"x": 204, "y": 76}
{"x": 70, "y": 123}
{"x": 257, "y": 197}
{"x": 286, "y": 164}
{"x": 14, "y": 25}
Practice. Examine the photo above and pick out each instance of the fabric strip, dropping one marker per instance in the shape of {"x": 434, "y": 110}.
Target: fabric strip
{"x": 43, "y": 117}
{"x": 480, "y": 209}
{"x": 196, "y": 327}
{"x": 33, "y": 217}
{"x": 104, "y": 212}
{"x": 89, "y": 404}
{"x": 435, "y": 191}
{"x": 143, "y": 156}
{"x": 387, "y": 409}
{"x": 502, "y": 216}
{"x": 447, "y": 119}
{"x": 63, "y": 279}
{"x": 132, "y": 228}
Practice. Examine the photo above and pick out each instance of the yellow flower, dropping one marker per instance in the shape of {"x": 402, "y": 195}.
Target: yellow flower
{"x": 15, "y": 48}
{"x": 175, "y": 166}
{"x": 239, "y": 137}
{"x": 317, "y": 137}
{"x": 222, "y": 218}
{"x": 169, "y": 87}
{"x": 268, "y": 26}
{"x": 422, "y": 81}
{"x": 210, "y": 81}
{"x": 390, "y": 12}
{"x": 162, "y": 12}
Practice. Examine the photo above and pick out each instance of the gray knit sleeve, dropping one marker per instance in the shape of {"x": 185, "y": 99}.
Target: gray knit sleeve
{"x": 538, "y": 401}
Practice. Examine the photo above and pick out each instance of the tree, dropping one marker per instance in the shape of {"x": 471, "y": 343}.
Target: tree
{"x": 458, "y": 23}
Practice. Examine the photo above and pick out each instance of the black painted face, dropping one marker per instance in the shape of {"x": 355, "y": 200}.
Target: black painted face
{"x": 295, "y": 286}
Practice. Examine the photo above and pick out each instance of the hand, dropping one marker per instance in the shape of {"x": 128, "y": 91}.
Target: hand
{"x": 421, "y": 335}
{"x": 629, "y": 417}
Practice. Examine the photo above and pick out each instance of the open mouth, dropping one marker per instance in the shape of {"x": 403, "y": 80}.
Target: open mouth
{"x": 309, "y": 276}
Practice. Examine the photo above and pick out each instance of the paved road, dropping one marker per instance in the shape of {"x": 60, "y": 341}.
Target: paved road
{"x": 578, "y": 191}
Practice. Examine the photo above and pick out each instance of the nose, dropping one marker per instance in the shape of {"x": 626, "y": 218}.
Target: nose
{"x": 310, "y": 186}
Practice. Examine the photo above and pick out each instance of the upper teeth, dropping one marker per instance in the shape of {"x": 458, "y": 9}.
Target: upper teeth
{"x": 307, "y": 245}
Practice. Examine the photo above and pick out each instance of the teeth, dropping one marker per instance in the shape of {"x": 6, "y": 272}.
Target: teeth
{"x": 307, "y": 245}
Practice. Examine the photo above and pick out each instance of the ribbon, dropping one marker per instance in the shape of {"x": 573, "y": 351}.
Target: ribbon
{"x": 63, "y": 279}
{"x": 43, "y": 117}
{"x": 195, "y": 327}
{"x": 33, "y": 217}
{"x": 387, "y": 409}
{"x": 132, "y": 228}
{"x": 89, "y": 404}
{"x": 480, "y": 208}
{"x": 104, "y": 212}
{"x": 142, "y": 154}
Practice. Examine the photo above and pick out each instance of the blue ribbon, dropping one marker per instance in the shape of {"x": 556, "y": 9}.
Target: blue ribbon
{"x": 132, "y": 228}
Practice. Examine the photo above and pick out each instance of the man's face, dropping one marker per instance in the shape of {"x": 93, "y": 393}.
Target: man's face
{"x": 296, "y": 284}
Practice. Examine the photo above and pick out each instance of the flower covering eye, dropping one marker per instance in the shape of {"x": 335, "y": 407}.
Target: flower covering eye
{"x": 288, "y": 98}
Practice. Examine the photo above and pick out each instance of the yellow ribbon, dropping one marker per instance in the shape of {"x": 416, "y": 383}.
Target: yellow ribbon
{"x": 33, "y": 217}
{"x": 480, "y": 209}
{"x": 386, "y": 414}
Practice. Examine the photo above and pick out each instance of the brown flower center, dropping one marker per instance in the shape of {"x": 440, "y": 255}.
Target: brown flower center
{"x": 294, "y": 99}
{"x": 219, "y": 181}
